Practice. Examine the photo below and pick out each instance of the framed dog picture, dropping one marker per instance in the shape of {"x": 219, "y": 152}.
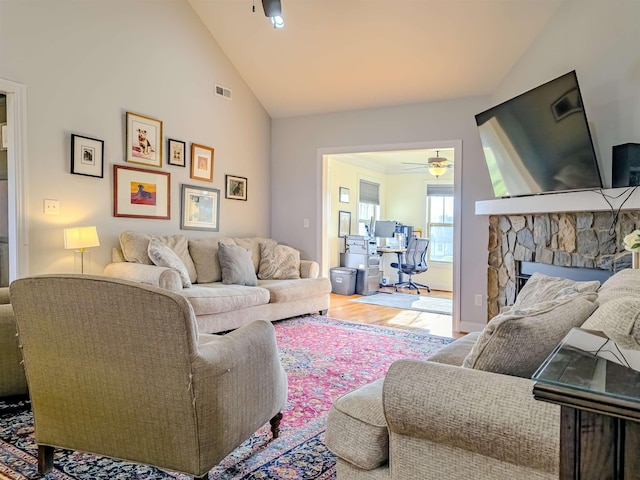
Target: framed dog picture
{"x": 144, "y": 140}
{"x": 201, "y": 162}
{"x": 139, "y": 193}
{"x": 236, "y": 187}
{"x": 87, "y": 156}
{"x": 176, "y": 153}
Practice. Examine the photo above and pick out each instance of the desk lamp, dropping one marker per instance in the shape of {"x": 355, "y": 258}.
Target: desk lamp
{"x": 79, "y": 239}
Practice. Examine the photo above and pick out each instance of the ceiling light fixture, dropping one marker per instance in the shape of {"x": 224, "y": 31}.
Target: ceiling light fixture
{"x": 273, "y": 10}
{"x": 437, "y": 165}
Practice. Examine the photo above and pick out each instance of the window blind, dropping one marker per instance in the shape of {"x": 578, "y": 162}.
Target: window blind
{"x": 439, "y": 190}
{"x": 369, "y": 192}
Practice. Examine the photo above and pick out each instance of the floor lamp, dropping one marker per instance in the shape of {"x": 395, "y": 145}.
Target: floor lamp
{"x": 79, "y": 239}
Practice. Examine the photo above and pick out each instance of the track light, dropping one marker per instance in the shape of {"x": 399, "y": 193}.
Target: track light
{"x": 273, "y": 10}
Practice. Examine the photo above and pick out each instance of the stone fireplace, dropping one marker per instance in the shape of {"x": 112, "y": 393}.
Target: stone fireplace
{"x": 568, "y": 239}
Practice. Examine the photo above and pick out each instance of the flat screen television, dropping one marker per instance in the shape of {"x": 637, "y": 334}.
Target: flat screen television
{"x": 539, "y": 141}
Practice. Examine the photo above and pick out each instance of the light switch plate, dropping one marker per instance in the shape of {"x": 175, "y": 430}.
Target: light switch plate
{"x": 51, "y": 207}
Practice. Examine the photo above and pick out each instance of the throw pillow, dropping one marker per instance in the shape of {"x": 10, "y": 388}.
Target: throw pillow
{"x": 278, "y": 262}
{"x": 236, "y": 265}
{"x": 542, "y": 288}
{"x": 162, "y": 256}
{"x": 517, "y": 342}
{"x": 135, "y": 247}
{"x": 618, "y": 319}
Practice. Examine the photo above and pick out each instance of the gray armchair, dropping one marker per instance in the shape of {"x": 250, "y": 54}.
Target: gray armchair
{"x": 13, "y": 382}
{"x": 117, "y": 368}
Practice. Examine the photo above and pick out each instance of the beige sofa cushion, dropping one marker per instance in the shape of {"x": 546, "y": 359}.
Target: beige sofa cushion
{"x": 356, "y": 427}
{"x": 457, "y": 351}
{"x": 625, "y": 283}
{"x": 542, "y": 288}
{"x": 219, "y": 298}
{"x": 278, "y": 262}
{"x": 204, "y": 252}
{"x": 236, "y": 265}
{"x": 135, "y": 249}
{"x": 517, "y": 342}
{"x": 283, "y": 291}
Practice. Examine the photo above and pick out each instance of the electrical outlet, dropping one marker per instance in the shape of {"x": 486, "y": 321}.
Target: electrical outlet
{"x": 52, "y": 207}
{"x": 478, "y": 300}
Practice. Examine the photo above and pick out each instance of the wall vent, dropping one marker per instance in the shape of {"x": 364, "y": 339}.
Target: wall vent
{"x": 223, "y": 92}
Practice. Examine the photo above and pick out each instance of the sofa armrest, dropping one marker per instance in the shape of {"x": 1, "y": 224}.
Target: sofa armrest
{"x": 162, "y": 277}
{"x": 487, "y": 413}
{"x": 309, "y": 269}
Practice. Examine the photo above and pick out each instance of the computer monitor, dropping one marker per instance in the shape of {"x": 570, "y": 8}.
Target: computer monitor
{"x": 385, "y": 228}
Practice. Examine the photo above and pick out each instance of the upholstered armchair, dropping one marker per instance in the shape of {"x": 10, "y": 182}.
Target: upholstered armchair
{"x": 12, "y": 379}
{"x": 117, "y": 368}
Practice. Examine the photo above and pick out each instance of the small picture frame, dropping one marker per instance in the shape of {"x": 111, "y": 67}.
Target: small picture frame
{"x": 140, "y": 193}
{"x": 200, "y": 208}
{"x": 344, "y": 195}
{"x": 144, "y": 140}
{"x": 87, "y": 156}
{"x": 236, "y": 187}
{"x": 201, "y": 162}
{"x": 344, "y": 223}
{"x": 176, "y": 153}
{"x": 4, "y": 140}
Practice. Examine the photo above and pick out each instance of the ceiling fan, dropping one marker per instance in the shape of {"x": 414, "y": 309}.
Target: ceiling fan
{"x": 436, "y": 165}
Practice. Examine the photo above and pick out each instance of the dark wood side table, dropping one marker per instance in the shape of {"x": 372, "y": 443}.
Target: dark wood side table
{"x": 600, "y": 406}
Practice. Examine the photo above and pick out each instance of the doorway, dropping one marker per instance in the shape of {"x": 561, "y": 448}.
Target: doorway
{"x": 402, "y": 174}
{"x": 13, "y": 210}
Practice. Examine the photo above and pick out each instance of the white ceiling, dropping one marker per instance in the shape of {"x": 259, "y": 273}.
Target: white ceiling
{"x": 335, "y": 55}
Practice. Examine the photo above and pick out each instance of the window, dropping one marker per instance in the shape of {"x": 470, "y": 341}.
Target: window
{"x": 440, "y": 222}
{"x": 368, "y": 205}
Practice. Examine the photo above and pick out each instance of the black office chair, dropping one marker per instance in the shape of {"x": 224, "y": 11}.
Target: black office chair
{"x": 416, "y": 262}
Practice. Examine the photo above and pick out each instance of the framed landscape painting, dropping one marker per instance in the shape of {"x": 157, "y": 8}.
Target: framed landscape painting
{"x": 144, "y": 140}
{"x": 139, "y": 193}
{"x": 200, "y": 208}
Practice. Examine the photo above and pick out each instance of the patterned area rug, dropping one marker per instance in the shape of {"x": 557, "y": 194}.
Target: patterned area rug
{"x": 323, "y": 357}
{"x": 406, "y": 301}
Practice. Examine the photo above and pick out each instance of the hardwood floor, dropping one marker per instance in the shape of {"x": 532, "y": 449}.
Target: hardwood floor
{"x": 436, "y": 324}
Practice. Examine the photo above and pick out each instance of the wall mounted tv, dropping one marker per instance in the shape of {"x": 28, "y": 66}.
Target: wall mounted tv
{"x": 539, "y": 141}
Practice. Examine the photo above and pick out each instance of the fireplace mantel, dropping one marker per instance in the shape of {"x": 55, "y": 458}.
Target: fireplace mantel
{"x": 581, "y": 201}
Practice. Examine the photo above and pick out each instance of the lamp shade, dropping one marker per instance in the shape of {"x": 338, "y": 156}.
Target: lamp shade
{"x": 80, "y": 237}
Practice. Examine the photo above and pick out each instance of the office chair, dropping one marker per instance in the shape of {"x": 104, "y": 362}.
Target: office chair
{"x": 416, "y": 262}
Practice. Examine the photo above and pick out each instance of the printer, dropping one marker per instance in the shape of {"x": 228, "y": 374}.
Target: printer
{"x": 360, "y": 244}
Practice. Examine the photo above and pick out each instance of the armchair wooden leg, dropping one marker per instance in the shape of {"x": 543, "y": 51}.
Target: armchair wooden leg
{"x": 203, "y": 477}
{"x": 45, "y": 459}
{"x": 275, "y": 425}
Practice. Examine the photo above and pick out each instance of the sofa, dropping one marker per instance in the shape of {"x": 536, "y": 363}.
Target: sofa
{"x": 13, "y": 381}
{"x": 229, "y": 282}
{"x": 469, "y": 411}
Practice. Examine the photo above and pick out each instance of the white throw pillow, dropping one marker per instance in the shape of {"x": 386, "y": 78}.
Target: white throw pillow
{"x": 543, "y": 288}
{"x": 162, "y": 256}
{"x": 278, "y": 262}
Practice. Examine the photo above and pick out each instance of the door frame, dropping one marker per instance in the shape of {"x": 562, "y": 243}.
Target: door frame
{"x": 16, "y": 174}
{"x": 324, "y": 203}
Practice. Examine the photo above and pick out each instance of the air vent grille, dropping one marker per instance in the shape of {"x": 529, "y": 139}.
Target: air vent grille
{"x": 223, "y": 92}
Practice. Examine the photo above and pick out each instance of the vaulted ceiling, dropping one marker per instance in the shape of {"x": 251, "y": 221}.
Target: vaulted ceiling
{"x": 336, "y": 55}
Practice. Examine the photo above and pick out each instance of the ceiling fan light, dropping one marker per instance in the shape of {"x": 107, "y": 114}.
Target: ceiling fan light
{"x": 272, "y": 8}
{"x": 437, "y": 170}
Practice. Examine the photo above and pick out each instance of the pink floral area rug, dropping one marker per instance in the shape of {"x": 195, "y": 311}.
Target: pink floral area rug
{"x": 324, "y": 358}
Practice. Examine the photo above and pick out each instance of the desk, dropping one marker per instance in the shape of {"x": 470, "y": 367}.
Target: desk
{"x": 399, "y": 252}
{"x": 600, "y": 411}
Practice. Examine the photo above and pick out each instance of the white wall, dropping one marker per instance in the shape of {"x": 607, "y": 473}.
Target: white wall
{"x": 297, "y": 174}
{"x": 85, "y": 64}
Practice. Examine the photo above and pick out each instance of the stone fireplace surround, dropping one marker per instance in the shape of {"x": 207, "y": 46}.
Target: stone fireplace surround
{"x": 576, "y": 230}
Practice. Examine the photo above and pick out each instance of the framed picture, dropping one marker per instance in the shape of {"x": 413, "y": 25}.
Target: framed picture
{"x": 201, "y": 162}
{"x": 144, "y": 140}
{"x": 344, "y": 195}
{"x": 344, "y": 223}
{"x": 4, "y": 141}
{"x": 200, "y": 208}
{"x": 236, "y": 187}
{"x": 87, "y": 156}
{"x": 139, "y": 193}
{"x": 176, "y": 153}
